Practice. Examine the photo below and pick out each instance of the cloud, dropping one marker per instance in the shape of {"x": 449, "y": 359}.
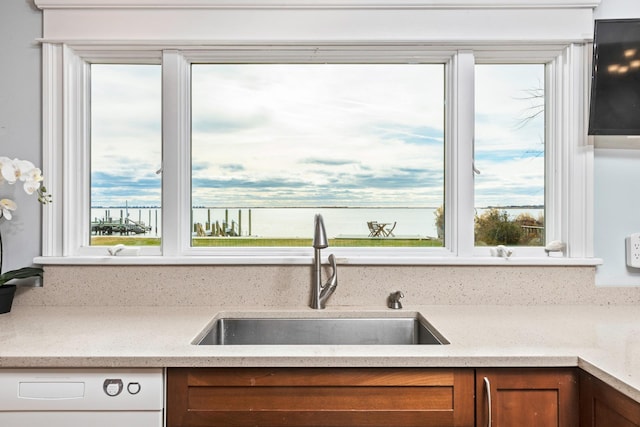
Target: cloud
{"x": 220, "y": 121}
{"x": 116, "y": 189}
{"x": 242, "y": 183}
{"x": 233, "y": 167}
{"x": 115, "y": 180}
{"x": 329, "y": 162}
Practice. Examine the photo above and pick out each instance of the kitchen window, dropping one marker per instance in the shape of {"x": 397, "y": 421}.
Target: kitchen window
{"x": 509, "y": 154}
{"x": 217, "y": 172}
{"x": 273, "y": 144}
{"x": 126, "y": 154}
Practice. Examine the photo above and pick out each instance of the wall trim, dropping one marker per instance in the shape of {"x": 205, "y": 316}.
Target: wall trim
{"x": 315, "y": 4}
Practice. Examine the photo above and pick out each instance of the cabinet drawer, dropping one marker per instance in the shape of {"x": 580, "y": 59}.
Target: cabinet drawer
{"x": 319, "y": 397}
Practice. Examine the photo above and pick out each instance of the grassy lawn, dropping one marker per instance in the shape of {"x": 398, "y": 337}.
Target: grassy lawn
{"x": 129, "y": 241}
{"x": 265, "y": 242}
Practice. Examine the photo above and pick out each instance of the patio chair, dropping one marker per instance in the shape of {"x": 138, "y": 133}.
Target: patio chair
{"x": 389, "y": 232}
{"x": 374, "y": 230}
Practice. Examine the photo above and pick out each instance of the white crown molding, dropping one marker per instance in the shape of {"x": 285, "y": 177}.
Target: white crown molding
{"x": 245, "y": 21}
{"x": 321, "y": 26}
{"x": 315, "y": 4}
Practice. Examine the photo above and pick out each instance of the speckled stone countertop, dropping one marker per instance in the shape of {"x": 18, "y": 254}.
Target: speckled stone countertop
{"x": 603, "y": 340}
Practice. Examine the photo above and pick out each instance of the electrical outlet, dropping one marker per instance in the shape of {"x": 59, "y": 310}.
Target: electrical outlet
{"x": 633, "y": 250}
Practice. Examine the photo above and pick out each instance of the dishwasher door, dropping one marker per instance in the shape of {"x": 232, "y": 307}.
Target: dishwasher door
{"x": 81, "y": 419}
{"x": 81, "y": 397}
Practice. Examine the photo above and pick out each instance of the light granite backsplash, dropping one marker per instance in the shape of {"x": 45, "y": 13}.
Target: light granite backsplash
{"x": 289, "y": 286}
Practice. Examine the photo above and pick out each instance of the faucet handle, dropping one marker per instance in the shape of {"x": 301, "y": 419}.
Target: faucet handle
{"x": 394, "y": 300}
{"x": 328, "y": 288}
{"x": 332, "y": 282}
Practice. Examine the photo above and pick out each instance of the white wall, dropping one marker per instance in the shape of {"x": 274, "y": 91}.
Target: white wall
{"x": 20, "y": 121}
{"x": 617, "y": 175}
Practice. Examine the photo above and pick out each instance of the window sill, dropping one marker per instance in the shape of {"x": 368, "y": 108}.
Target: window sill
{"x": 307, "y": 260}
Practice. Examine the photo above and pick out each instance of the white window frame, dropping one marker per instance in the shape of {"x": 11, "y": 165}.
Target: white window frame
{"x": 568, "y": 156}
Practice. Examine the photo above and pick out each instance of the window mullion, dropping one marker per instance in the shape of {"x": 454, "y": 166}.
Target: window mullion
{"x": 553, "y": 162}
{"x": 53, "y": 146}
{"x": 76, "y": 173}
{"x": 572, "y": 188}
{"x": 176, "y": 165}
{"x": 460, "y": 117}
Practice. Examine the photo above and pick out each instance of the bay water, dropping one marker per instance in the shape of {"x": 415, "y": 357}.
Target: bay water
{"x": 298, "y": 222}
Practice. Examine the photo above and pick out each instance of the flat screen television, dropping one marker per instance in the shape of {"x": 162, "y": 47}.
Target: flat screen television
{"x": 615, "y": 79}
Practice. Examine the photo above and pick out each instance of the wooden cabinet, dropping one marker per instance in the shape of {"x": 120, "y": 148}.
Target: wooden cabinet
{"x": 320, "y": 397}
{"x": 325, "y": 397}
{"x": 603, "y": 406}
{"x": 527, "y": 397}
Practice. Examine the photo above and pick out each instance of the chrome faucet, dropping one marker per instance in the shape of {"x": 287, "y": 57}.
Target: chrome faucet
{"x": 321, "y": 293}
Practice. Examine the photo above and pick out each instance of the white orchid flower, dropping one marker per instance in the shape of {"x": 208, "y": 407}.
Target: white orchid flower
{"x": 32, "y": 179}
{"x": 8, "y": 170}
{"x": 23, "y": 169}
{"x": 15, "y": 170}
{"x": 6, "y": 206}
{"x": 31, "y": 187}
{"x": 35, "y": 174}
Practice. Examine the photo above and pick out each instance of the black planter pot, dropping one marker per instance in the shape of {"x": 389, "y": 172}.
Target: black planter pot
{"x": 6, "y": 297}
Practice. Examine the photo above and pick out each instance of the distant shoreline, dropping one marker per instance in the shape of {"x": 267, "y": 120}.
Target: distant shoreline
{"x": 319, "y": 207}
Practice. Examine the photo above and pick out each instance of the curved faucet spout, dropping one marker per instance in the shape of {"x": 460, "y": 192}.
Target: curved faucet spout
{"x": 320, "y": 293}
{"x": 320, "y": 240}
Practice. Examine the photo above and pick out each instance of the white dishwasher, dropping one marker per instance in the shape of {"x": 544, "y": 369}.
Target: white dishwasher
{"x": 81, "y": 397}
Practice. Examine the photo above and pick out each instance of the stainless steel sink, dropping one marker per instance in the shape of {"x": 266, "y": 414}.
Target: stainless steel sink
{"x": 320, "y": 331}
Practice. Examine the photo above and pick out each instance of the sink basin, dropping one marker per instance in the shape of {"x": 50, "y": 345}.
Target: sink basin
{"x": 320, "y": 331}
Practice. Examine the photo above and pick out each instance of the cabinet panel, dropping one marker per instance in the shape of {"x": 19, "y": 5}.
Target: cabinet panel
{"x": 527, "y": 397}
{"x": 320, "y": 397}
{"x": 526, "y": 407}
{"x": 603, "y": 406}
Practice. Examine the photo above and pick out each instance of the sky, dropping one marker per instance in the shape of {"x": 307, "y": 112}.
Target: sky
{"x": 126, "y": 135}
{"x": 509, "y": 150}
{"x": 315, "y": 135}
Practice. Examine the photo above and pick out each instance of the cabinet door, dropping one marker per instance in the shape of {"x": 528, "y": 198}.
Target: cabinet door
{"x": 507, "y": 397}
{"x": 603, "y": 406}
{"x": 320, "y": 397}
